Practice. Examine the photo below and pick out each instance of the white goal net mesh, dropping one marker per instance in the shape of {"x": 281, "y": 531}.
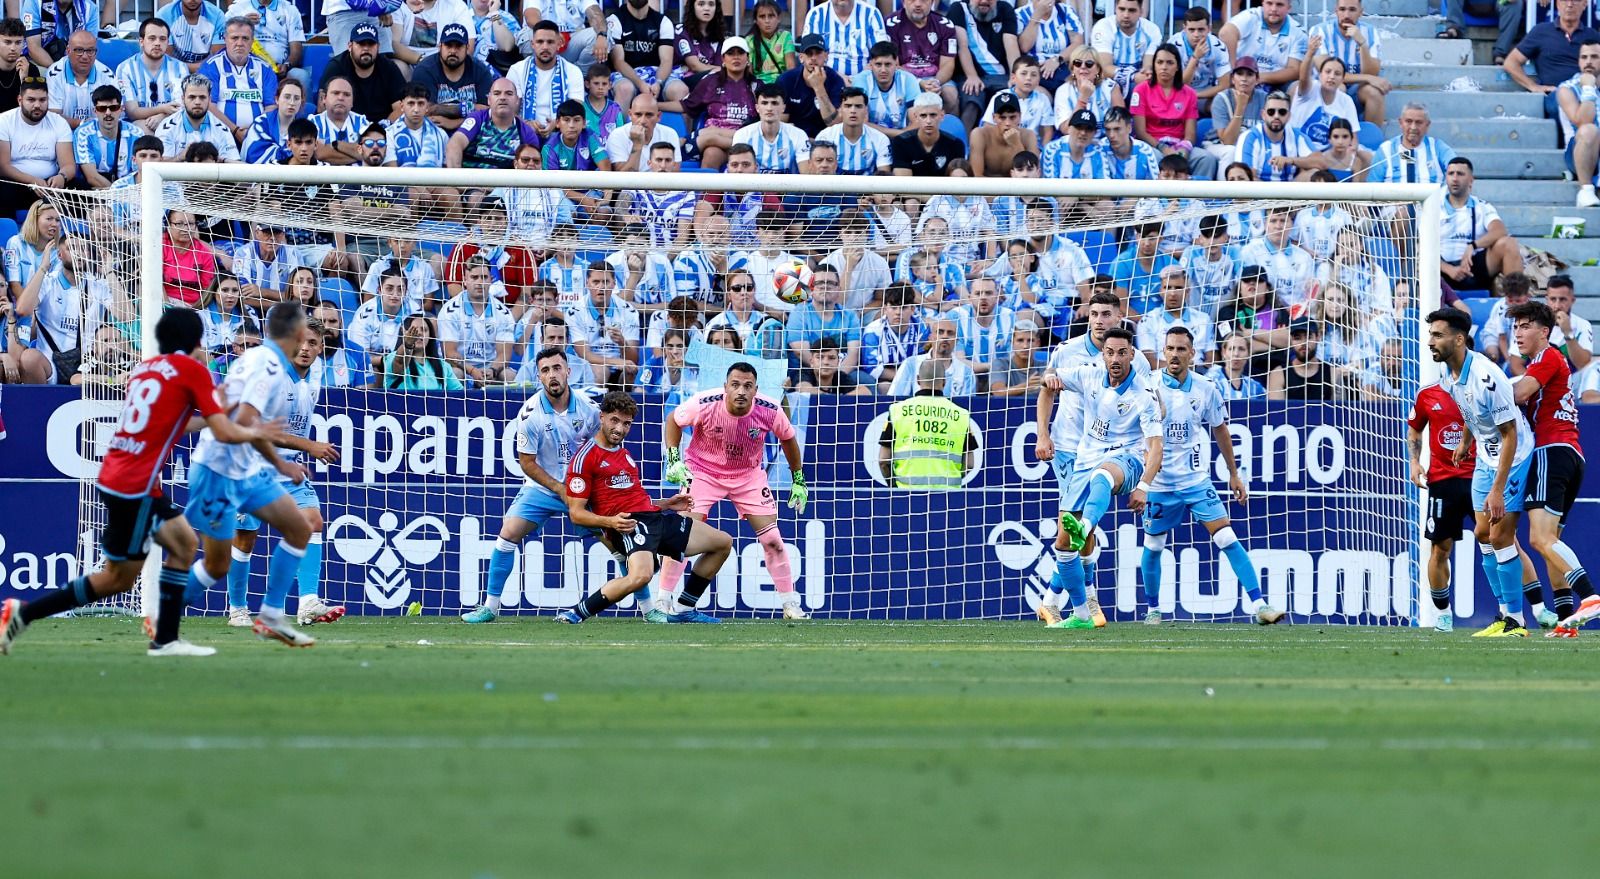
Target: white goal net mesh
{"x": 434, "y": 301}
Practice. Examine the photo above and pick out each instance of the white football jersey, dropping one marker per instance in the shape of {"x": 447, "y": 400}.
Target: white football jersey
{"x": 1116, "y": 419}
{"x": 551, "y": 436}
{"x": 1193, "y": 409}
{"x": 1483, "y": 393}
{"x": 1066, "y": 428}
{"x": 302, "y": 405}
{"x": 264, "y": 378}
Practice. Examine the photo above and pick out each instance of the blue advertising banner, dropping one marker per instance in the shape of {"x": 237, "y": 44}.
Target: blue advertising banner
{"x": 414, "y": 506}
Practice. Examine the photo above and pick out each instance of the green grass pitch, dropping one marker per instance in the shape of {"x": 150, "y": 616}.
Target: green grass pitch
{"x": 764, "y": 749}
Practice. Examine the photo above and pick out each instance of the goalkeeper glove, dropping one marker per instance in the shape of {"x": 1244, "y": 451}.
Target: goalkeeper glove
{"x": 798, "y": 495}
{"x": 677, "y": 471}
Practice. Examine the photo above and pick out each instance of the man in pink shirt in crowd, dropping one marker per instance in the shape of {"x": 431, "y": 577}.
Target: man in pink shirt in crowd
{"x": 724, "y": 460}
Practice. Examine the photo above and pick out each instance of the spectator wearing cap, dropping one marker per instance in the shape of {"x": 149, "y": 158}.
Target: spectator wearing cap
{"x": 1306, "y": 377}
{"x": 926, "y": 150}
{"x": 544, "y": 79}
{"x": 720, "y": 104}
{"x": 1124, "y": 43}
{"x": 984, "y": 62}
{"x": 994, "y": 147}
{"x": 457, "y": 83}
{"x": 417, "y": 27}
{"x": 1125, "y": 157}
{"x": 1235, "y": 110}
{"x": 1206, "y": 62}
{"x": 279, "y": 33}
{"x": 1274, "y": 150}
{"x": 579, "y": 27}
{"x": 342, "y": 17}
{"x": 1166, "y": 112}
{"x": 241, "y": 83}
{"x": 1175, "y": 311}
{"x": 1272, "y": 37}
{"x": 812, "y": 89}
{"x": 1088, "y": 90}
{"x": 1552, "y": 46}
{"x": 850, "y": 29}
{"x": 376, "y": 82}
{"x": 642, "y": 45}
{"x": 926, "y": 46}
{"x": 1076, "y": 156}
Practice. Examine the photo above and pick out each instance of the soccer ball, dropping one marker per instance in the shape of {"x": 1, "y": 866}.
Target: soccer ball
{"x": 792, "y": 283}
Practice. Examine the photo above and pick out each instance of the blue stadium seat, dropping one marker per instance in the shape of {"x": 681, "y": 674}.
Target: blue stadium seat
{"x": 315, "y": 60}
{"x": 953, "y": 127}
{"x": 675, "y": 121}
{"x": 1474, "y": 294}
{"x": 1480, "y": 309}
{"x": 114, "y": 52}
{"x": 1478, "y": 20}
{"x": 339, "y": 292}
{"x": 8, "y": 230}
{"x": 1203, "y": 129}
{"x": 433, "y": 236}
{"x": 590, "y": 234}
{"x": 1370, "y": 136}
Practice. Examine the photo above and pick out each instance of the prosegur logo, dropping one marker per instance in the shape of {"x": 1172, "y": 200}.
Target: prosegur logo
{"x": 386, "y": 553}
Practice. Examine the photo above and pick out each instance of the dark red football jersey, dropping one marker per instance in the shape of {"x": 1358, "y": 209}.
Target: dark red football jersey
{"x": 1437, "y": 411}
{"x": 1552, "y": 411}
{"x": 162, "y": 393}
{"x": 609, "y": 478}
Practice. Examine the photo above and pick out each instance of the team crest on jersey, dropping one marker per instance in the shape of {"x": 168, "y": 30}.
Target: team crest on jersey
{"x": 1451, "y": 436}
{"x": 576, "y": 485}
{"x": 755, "y": 432}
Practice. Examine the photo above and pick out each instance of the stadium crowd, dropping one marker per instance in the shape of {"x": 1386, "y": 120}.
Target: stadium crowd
{"x": 1305, "y": 302}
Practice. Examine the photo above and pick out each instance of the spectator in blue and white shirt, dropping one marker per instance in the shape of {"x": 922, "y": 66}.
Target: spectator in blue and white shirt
{"x": 1270, "y": 36}
{"x": 1206, "y": 62}
{"x": 338, "y": 128}
{"x": 279, "y": 31}
{"x": 1474, "y": 246}
{"x": 1231, "y": 375}
{"x": 889, "y": 90}
{"x": 1076, "y": 156}
{"x": 415, "y": 140}
{"x": 892, "y": 338}
{"x": 1038, "y": 109}
{"x": 151, "y": 81}
{"x": 1125, "y": 42}
{"x": 267, "y": 141}
{"x": 861, "y": 148}
{"x": 852, "y": 28}
{"x": 73, "y": 80}
{"x": 1273, "y": 149}
{"x": 1175, "y": 311}
{"x": 263, "y": 266}
{"x": 983, "y": 326}
{"x": 196, "y": 30}
{"x": 780, "y": 148}
{"x": 197, "y": 123}
{"x": 1126, "y": 157}
{"x": 1414, "y": 156}
{"x": 103, "y": 146}
{"x": 46, "y": 45}
{"x": 1291, "y": 270}
{"x": 1048, "y": 30}
{"x": 987, "y": 48}
{"x": 1089, "y": 90}
{"x": 1212, "y": 264}
{"x": 668, "y": 214}
{"x": 242, "y": 84}
{"x": 1357, "y": 44}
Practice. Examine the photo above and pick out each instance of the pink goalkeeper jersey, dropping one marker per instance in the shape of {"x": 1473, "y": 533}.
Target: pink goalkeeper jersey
{"x": 725, "y": 446}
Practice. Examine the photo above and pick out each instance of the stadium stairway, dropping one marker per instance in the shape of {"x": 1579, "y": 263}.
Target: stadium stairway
{"x": 1478, "y": 110}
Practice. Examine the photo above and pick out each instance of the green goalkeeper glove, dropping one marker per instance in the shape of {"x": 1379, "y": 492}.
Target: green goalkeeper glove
{"x": 677, "y": 471}
{"x": 798, "y": 495}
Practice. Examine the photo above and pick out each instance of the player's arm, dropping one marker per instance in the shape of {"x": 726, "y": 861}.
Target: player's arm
{"x": 799, "y": 494}
{"x": 677, "y": 472}
{"x": 327, "y": 453}
{"x": 226, "y": 430}
{"x": 1495, "y": 506}
{"x": 1414, "y": 452}
{"x": 246, "y": 416}
{"x": 1044, "y": 449}
{"x": 1224, "y": 440}
{"x": 1531, "y": 380}
{"x": 530, "y": 467}
{"x": 578, "y": 511}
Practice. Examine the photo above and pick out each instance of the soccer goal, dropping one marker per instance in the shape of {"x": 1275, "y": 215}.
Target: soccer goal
{"x": 1303, "y": 301}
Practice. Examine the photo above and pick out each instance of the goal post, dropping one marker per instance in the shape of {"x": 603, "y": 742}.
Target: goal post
{"x": 413, "y": 507}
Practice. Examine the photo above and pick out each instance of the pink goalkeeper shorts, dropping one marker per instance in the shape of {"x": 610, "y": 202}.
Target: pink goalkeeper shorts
{"x": 750, "y": 494}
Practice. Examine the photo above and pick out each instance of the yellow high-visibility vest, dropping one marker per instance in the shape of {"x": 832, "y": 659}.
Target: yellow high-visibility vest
{"x": 930, "y": 437}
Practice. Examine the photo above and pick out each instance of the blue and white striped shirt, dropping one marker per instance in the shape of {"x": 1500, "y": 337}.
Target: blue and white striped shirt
{"x": 192, "y": 42}
{"x": 422, "y": 148}
{"x": 177, "y": 132}
{"x": 1257, "y": 150}
{"x": 1054, "y": 33}
{"x": 1249, "y": 388}
{"x": 111, "y": 158}
{"x": 1210, "y": 281}
{"x": 1101, "y": 100}
{"x": 887, "y": 107}
{"x": 883, "y": 345}
{"x": 694, "y": 275}
{"x": 1141, "y": 163}
{"x": 780, "y": 155}
{"x": 984, "y": 344}
{"x": 534, "y": 213}
{"x": 1335, "y": 43}
{"x": 329, "y": 131}
{"x": 1058, "y": 163}
{"x": 240, "y": 92}
{"x": 142, "y": 88}
{"x": 278, "y": 26}
{"x": 867, "y": 154}
{"x": 1127, "y": 51}
{"x": 568, "y": 280}
{"x": 850, "y": 40}
{"x": 250, "y": 268}
{"x": 73, "y": 15}
{"x": 1396, "y": 163}
{"x": 662, "y": 212}
{"x": 70, "y": 98}
{"x": 1272, "y": 50}
{"x": 1211, "y": 68}
{"x": 656, "y": 282}
{"x": 266, "y": 142}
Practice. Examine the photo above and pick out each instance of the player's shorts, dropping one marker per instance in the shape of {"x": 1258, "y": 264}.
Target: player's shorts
{"x": 1554, "y": 475}
{"x": 1483, "y": 480}
{"x": 1449, "y": 508}
{"x": 1063, "y": 464}
{"x": 215, "y": 501}
{"x": 1165, "y": 509}
{"x": 1078, "y": 492}
{"x": 664, "y": 533}
{"x": 131, "y": 524}
{"x": 750, "y": 494}
{"x": 305, "y": 498}
{"x": 535, "y": 504}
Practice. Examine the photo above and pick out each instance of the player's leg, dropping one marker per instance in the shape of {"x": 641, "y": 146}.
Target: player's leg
{"x": 1449, "y": 505}
{"x": 672, "y": 572}
{"x": 244, "y": 546}
{"x": 267, "y": 501}
{"x": 1503, "y": 537}
{"x": 1068, "y": 579}
{"x": 1533, "y": 591}
{"x": 752, "y": 497}
{"x": 528, "y": 513}
{"x": 712, "y": 545}
{"x": 1439, "y": 555}
{"x": 1062, "y": 464}
{"x": 1105, "y": 483}
{"x": 1161, "y": 515}
{"x": 178, "y": 588}
{"x": 640, "y": 568}
{"x": 1244, "y": 568}
{"x": 1553, "y": 477}
{"x": 311, "y": 609}
{"x": 1481, "y": 532}
{"x": 705, "y": 492}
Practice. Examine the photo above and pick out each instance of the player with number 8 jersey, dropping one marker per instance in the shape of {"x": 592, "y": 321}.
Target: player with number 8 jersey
{"x": 163, "y": 392}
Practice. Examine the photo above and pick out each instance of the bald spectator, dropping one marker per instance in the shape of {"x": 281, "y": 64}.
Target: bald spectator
{"x": 628, "y": 146}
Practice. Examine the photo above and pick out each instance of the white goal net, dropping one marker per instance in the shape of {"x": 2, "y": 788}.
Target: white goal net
{"x": 437, "y": 288}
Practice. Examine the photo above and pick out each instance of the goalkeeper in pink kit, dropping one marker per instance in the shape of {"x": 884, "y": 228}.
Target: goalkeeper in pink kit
{"x": 724, "y": 460}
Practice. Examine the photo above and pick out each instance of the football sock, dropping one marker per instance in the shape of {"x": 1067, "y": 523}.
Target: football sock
{"x": 594, "y": 604}
{"x": 1099, "y": 500}
{"x": 311, "y": 567}
{"x": 74, "y": 594}
{"x": 239, "y": 579}
{"x": 1441, "y": 598}
{"x": 1577, "y": 577}
{"x": 694, "y": 586}
{"x": 1150, "y": 573}
{"x": 1072, "y": 581}
{"x": 501, "y": 561}
{"x": 643, "y": 598}
{"x": 1090, "y": 568}
{"x": 1533, "y": 594}
{"x": 777, "y": 562}
{"x": 1491, "y": 569}
{"x": 172, "y": 585}
{"x": 199, "y": 582}
{"x": 1244, "y": 570}
{"x": 1510, "y": 580}
{"x": 671, "y": 576}
{"x": 282, "y": 570}
{"x": 1562, "y": 602}
{"x": 1058, "y": 580}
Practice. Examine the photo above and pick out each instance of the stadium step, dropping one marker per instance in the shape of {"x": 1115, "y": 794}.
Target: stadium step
{"x": 1521, "y": 162}
{"x": 1471, "y": 135}
{"x": 1446, "y": 53}
{"x": 1548, "y": 193}
{"x": 1468, "y": 105}
{"x": 1390, "y": 26}
{"x": 1532, "y": 221}
{"x": 1433, "y": 77}
{"x": 1405, "y": 8}
{"x": 1587, "y": 307}
{"x": 1572, "y": 251}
